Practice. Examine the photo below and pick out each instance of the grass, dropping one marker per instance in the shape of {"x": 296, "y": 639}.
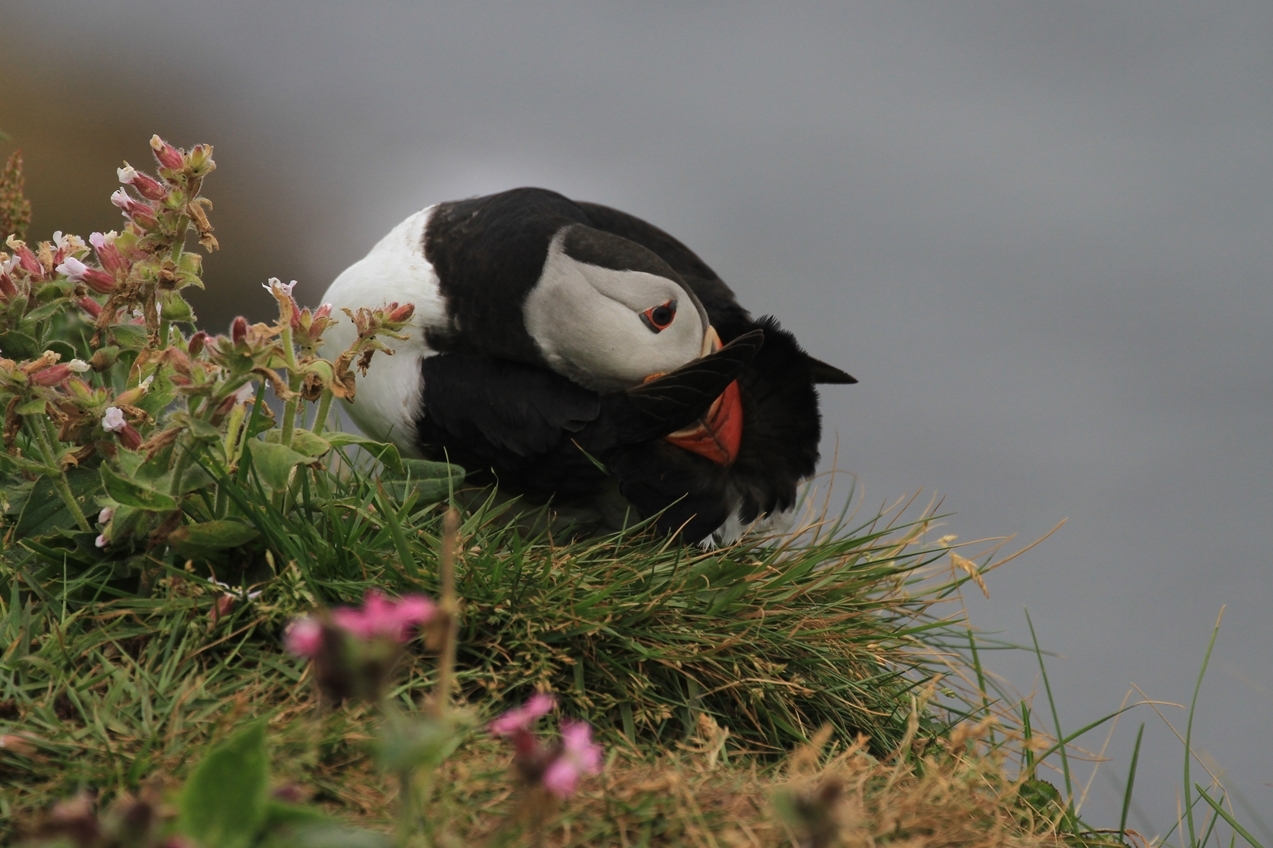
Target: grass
{"x": 703, "y": 671}
{"x": 121, "y": 673}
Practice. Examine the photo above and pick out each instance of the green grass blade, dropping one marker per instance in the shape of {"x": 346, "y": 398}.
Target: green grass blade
{"x": 1131, "y": 781}
{"x": 1228, "y": 818}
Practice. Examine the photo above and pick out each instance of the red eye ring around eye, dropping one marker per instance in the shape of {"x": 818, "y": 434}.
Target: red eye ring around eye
{"x": 659, "y": 318}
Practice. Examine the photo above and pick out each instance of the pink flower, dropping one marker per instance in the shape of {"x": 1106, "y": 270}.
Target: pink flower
{"x": 105, "y": 516}
{"x": 110, "y": 257}
{"x": 77, "y": 272}
{"x": 519, "y": 719}
{"x": 579, "y": 755}
{"x": 381, "y": 617}
{"x": 102, "y": 541}
{"x": 304, "y": 638}
{"x": 146, "y": 185}
{"x": 141, "y": 214}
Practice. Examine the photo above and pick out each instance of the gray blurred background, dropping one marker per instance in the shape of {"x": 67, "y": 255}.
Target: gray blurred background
{"x": 1040, "y": 235}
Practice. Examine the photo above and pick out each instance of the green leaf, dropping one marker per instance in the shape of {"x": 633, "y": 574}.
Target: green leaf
{"x": 195, "y": 539}
{"x": 383, "y": 451}
{"x": 130, "y": 336}
{"x": 274, "y": 463}
{"x": 19, "y": 345}
{"x": 303, "y": 441}
{"x": 32, "y": 407}
{"x": 429, "y": 481}
{"x": 47, "y": 311}
{"x": 223, "y": 804}
{"x": 409, "y": 742}
{"x": 175, "y": 307}
{"x": 45, "y": 512}
{"x": 132, "y": 493}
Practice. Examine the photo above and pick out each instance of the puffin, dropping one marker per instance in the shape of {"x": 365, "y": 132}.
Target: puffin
{"x": 575, "y": 355}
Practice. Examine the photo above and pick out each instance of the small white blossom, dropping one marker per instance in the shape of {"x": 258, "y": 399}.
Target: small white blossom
{"x": 79, "y": 366}
{"x": 107, "y": 513}
{"x": 73, "y": 269}
{"x": 121, "y": 199}
{"x": 237, "y": 592}
{"x": 126, "y": 174}
{"x": 102, "y": 541}
{"x": 144, "y": 385}
{"x": 101, "y": 241}
{"x": 113, "y": 421}
{"x": 276, "y": 283}
{"x": 245, "y": 393}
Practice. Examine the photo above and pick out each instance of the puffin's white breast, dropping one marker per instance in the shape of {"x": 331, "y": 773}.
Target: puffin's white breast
{"x": 387, "y": 401}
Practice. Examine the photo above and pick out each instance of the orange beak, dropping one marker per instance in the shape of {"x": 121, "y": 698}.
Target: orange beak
{"x": 717, "y": 434}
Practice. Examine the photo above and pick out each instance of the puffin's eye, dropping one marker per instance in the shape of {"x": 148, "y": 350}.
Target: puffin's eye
{"x": 658, "y": 318}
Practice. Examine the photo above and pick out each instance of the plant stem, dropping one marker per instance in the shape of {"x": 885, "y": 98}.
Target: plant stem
{"x": 406, "y": 808}
{"x": 320, "y": 418}
{"x": 293, "y": 383}
{"x": 45, "y": 440}
{"x": 450, "y": 611}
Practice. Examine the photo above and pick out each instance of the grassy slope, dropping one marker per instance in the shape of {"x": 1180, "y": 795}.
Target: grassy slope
{"x": 121, "y": 674}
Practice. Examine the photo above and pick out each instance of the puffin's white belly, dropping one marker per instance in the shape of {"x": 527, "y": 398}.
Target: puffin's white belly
{"x": 387, "y": 401}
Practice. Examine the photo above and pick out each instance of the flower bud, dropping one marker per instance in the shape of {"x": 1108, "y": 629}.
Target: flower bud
{"x": 26, "y": 259}
{"x": 7, "y": 289}
{"x": 92, "y": 307}
{"x": 400, "y": 314}
{"x": 239, "y": 330}
{"x": 145, "y": 185}
{"x": 167, "y": 155}
{"x": 197, "y": 342}
{"x": 51, "y": 376}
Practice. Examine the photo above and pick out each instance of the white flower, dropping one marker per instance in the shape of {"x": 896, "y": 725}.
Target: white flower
{"x": 276, "y": 283}
{"x": 8, "y": 263}
{"x": 106, "y": 515}
{"x": 121, "y": 199}
{"x": 79, "y": 366}
{"x": 144, "y": 385}
{"x": 245, "y": 393}
{"x": 73, "y": 269}
{"x": 113, "y": 421}
{"x": 126, "y": 174}
{"x": 101, "y": 241}
{"x": 102, "y": 541}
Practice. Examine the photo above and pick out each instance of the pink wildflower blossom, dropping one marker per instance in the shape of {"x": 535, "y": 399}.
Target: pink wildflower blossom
{"x": 107, "y": 253}
{"x": 146, "y": 185}
{"x": 142, "y": 215}
{"x": 304, "y": 638}
{"x": 520, "y": 719}
{"x": 95, "y": 278}
{"x": 381, "y": 617}
{"x": 579, "y": 755}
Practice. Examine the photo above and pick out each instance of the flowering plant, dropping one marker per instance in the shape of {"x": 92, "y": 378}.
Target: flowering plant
{"x": 110, "y": 397}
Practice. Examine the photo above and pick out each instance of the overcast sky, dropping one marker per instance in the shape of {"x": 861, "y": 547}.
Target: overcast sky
{"x": 1041, "y": 235}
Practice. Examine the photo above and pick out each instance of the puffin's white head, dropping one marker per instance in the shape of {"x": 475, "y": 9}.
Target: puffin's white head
{"x": 607, "y": 313}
